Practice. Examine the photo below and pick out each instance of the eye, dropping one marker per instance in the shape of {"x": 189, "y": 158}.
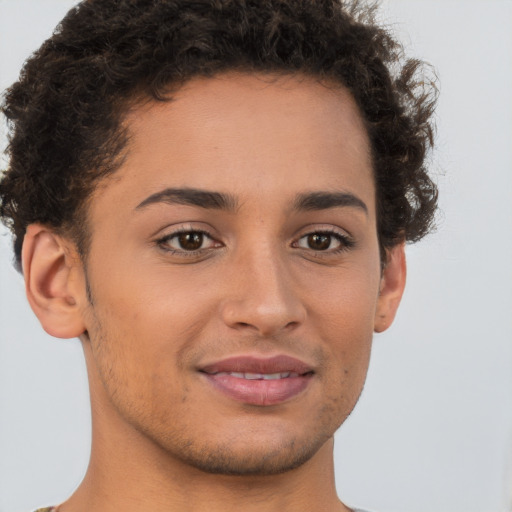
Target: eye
{"x": 188, "y": 241}
{"x": 324, "y": 241}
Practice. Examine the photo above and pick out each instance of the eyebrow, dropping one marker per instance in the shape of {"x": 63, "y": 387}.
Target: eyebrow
{"x": 314, "y": 201}
{"x": 192, "y": 197}
{"x": 310, "y": 201}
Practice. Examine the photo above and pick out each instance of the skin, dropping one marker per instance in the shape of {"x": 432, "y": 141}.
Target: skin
{"x": 150, "y": 312}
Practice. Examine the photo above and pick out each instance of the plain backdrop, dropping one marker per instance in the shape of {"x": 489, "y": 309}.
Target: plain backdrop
{"x": 433, "y": 429}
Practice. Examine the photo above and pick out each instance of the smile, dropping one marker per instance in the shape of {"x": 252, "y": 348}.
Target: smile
{"x": 259, "y": 381}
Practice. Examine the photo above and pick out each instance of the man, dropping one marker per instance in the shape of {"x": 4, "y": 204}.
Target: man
{"x": 214, "y": 196}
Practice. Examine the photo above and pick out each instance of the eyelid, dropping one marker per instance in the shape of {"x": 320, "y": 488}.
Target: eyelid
{"x": 184, "y": 227}
{"x": 323, "y": 228}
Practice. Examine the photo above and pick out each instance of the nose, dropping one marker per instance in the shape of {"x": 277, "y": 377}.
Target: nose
{"x": 262, "y": 297}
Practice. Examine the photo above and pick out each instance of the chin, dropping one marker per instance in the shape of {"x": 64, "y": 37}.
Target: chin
{"x": 253, "y": 453}
{"x": 252, "y": 460}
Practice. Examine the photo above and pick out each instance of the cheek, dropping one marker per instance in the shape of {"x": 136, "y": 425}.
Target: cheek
{"x": 342, "y": 310}
{"x": 148, "y": 307}
{"x": 344, "y": 300}
{"x": 135, "y": 360}
{"x": 142, "y": 329}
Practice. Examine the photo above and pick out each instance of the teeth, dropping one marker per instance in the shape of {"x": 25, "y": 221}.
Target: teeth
{"x": 253, "y": 376}
{"x": 260, "y": 376}
{"x": 273, "y": 376}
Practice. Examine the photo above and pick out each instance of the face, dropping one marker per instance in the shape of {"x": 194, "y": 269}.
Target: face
{"x": 234, "y": 272}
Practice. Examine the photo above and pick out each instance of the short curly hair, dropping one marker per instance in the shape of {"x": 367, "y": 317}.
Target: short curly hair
{"x": 65, "y": 113}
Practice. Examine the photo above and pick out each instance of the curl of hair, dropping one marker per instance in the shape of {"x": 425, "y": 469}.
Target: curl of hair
{"x": 65, "y": 113}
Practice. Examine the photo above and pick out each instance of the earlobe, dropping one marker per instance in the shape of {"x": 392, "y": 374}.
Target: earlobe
{"x": 52, "y": 282}
{"x": 391, "y": 288}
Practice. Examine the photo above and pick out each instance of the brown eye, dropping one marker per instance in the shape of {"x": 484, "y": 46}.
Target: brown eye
{"x": 319, "y": 241}
{"x": 324, "y": 241}
{"x": 188, "y": 242}
{"x": 191, "y": 241}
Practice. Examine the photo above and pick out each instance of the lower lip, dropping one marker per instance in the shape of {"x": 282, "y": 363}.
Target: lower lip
{"x": 260, "y": 391}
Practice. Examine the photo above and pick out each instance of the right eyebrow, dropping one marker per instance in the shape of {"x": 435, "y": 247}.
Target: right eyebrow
{"x": 193, "y": 197}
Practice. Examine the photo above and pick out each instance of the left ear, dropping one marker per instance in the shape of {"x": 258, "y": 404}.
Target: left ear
{"x": 392, "y": 286}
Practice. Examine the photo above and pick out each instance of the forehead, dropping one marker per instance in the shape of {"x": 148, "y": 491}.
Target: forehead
{"x": 246, "y": 134}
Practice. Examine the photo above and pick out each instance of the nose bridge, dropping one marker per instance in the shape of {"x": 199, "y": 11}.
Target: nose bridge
{"x": 262, "y": 294}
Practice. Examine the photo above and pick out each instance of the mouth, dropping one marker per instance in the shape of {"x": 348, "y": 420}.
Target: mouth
{"x": 259, "y": 376}
{"x": 259, "y": 381}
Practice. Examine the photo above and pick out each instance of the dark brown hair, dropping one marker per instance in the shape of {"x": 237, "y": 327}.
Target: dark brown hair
{"x": 65, "y": 111}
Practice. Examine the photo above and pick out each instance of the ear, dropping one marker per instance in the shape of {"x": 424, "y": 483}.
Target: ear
{"x": 392, "y": 286}
{"x": 54, "y": 281}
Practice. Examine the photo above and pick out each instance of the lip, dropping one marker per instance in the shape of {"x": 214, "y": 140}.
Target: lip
{"x": 259, "y": 381}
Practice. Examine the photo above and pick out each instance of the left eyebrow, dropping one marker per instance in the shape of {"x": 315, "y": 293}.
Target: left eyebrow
{"x": 192, "y": 197}
{"x": 312, "y": 201}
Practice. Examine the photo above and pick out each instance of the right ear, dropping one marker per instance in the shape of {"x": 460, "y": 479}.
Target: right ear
{"x": 54, "y": 281}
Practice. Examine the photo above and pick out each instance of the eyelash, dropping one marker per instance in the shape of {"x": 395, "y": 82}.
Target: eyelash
{"x": 346, "y": 242}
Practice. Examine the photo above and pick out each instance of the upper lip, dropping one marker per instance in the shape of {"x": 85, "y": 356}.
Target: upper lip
{"x": 256, "y": 364}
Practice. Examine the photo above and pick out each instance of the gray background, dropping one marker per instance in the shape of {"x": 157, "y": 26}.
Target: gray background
{"x": 433, "y": 429}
